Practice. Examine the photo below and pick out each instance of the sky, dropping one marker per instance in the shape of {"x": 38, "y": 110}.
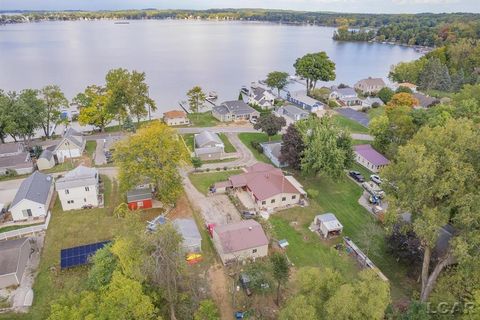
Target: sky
{"x": 362, "y": 6}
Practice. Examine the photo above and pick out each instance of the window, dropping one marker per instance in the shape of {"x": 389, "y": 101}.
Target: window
{"x": 70, "y": 201}
{"x": 272, "y": 201}
{"x": 66, "y": 191}
{"x": 294, "y": 197}
{"x": 264, "y": 202}
{"x": 140, "y": 204}
{"x": 284, "y": 198}
{"x": 27, "y": 213}
{"x": 254, "y": 251}
{"x": 84, "y": 199}
{"x": 87, "y": 188}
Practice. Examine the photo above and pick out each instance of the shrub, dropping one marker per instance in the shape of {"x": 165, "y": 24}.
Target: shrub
{"x": 375, "y": 105}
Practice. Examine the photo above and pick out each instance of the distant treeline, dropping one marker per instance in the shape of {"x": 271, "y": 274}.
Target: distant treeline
{"x": 424, "y": 29}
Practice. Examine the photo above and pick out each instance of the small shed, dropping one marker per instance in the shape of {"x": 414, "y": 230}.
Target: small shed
{"x": 46, "y": 160}
{"x": 327, "y": 225}
{"x": 140, "y": 198}
{"x": 192, "y": 240}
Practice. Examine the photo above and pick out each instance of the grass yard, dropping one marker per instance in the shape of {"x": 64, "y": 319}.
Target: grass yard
{"x": 375, "y": 112}
{"x": 352, "y": 126}
{"x": 90, "y": 148}
{"x": 339, "y": 196}
{"x": 203, "y": 181}
{"x": 189, "y": 141}
{"x": 248, "y": 137}
{"x": 15, "y": 227}
{"x": 204, "y": 119}
{"x": 229, "y": 148}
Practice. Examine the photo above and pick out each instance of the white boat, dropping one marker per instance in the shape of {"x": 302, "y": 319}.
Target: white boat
{"x": 212, "y": 95}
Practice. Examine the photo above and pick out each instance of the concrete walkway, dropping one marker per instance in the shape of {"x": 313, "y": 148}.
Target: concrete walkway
{"x": 245, "y": 156}
{"x": 99, "y": 157}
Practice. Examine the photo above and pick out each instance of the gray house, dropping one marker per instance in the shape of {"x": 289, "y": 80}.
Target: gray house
{"x": 192, "y": 240}
{"x": 345, "y": 96}
{"x": 208, "y": 146}
{"x": 273, "y": 151}
{"x": 235, "y": 110}
{"x": 14, "y": 257}
{"x": 291, "y": 113}
{"x": 13, "y": 157}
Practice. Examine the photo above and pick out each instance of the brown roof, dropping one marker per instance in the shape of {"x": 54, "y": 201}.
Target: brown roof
{"x": 241, "y": 235}
{"x": 264, "y": 180}
{"x": 174, "y": 114}
{"x": 372, "y": 82}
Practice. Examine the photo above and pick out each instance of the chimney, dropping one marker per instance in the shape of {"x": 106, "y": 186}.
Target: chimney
{"x": 250, "y": 228}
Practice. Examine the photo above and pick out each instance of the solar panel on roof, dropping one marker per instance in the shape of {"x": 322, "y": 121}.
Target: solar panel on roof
{"x": 78, "y": 256}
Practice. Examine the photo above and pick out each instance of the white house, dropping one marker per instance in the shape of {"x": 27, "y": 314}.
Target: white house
{"x": 261, "y": 97}
{"x": 273, "y": 151}
{"x": 175, "y": 118}
{"x": 370, "y": 158}
{"x": 46, "y": 160}
{"x": 291, "y": 113}
{"x": 33, "y": 197}
{"x": 71, "y": 146}
{"x": 345, "y": 96}
{"x": 79, "y": 188}
{"x": 327, "y": 225}
{"x": 208, "y": 146}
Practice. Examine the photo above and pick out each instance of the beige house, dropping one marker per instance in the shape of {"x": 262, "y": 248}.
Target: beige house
{"x": 71, "y": 146}
{"x": 266, "y": 186}
{"x": 46, "y": 160}
{"x": 370, "y": 158}
{"x": 33, "y": 197}
{"x": 175, "y": 118}
{"x": 370, "y": 85}
{"x": 79, "y": 188}
{"x": 239, "y": 241}
{"x": 14, "y": 257}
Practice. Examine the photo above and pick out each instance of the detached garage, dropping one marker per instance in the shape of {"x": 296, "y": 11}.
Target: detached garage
{"x": 14, "y": 257}
{"x": 139, "y": 199}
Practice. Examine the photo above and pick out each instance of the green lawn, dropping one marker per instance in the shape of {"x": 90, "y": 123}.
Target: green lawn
{"x": 90, "y": 148}
{"x": 248, "y": 137}
{"x": 349, "y": 124}
{"x": 375, "y": 112}
{"x": 137, "y": 125}
{"x": 339, "y": 196}
{"x": 189, "y": 141}
{"x": 10, "y": 228}
{"x": 203, "y": 181}
{"x": 229, "y": 148}
{"x": 69, "y": 164}
{"x": 204, "y": 119}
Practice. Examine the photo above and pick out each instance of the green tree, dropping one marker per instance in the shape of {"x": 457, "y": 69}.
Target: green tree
{"x": 385, "y": 94}
{"x": 104, "y": 263}
{"x": 315, "y": 67}
{"x": 435, "y": 76}
{"x": 153, "y": 153}
{"x": 277, "y": 80}
{"x": 140, "y": 103}
{"x": 207, "y": 311}
{"x": 24, "y": 115}
{"x": 94, "y": 106}
{"x": 327, "y": 148}
{"x": 128, "y": 125}
{"x": 270, "y": 124}
{"x": 403, "y": 99}
{"x": 196, "y": 99}
{"x": 292, "y": 147}
{"x": 5, "y": 103}
{"x": 403, "y": 89}
{"x": 196, "y": 162}
{"x": 298, "y": 308}
{"x": 436, "y": 177}
{"x": 280, "y": 270}
{"x": 53, "y": 100}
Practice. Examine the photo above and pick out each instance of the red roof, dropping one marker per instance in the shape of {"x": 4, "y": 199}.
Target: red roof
{"x": 264, "y": 181}
{"x": 241, "y": 235}
{"x": 174, "y": 114}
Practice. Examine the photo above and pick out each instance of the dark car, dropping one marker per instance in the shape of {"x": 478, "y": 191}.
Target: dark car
{"x": 248, "y": 215}
{"x": 245, "y": 283}
{"x": 357, "y": 176}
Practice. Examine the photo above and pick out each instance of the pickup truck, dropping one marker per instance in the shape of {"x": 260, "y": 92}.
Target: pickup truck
{"x": 373, "y": 189}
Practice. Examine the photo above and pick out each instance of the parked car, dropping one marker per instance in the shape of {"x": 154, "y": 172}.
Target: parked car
{"x": 253, "y": 120}
{"x": 248, "y": 214}
{"x": 357, "y": 176}
{"x": 376, "y": 178}
{"x": 373, "y": 189}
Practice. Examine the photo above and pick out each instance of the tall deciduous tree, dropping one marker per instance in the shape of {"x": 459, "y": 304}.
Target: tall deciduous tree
{"x": 94, "y": 106}
{"x": 385, "y": 94}
{"x": 26, "y": 115}
{"x": 436, "y": 178}
{"x": 270, "y": 124}
{"x": 53, "y": 100}
{"x": 292, "y": 147}
{"x": 277, "y": 80}
{"x": 196, "y": 98}
{"x": 298, "y": 308}
{"x": 315, "y": 67}
{"x": 4, "y": 107}
{"x": 141, "y": 105}
{"x": 403, "y": 99}
{"x": 280, "y": 271}
{"x": 155, "y": 154}
{"x": 207, "y": 311}
{"x": 327, "y": 148}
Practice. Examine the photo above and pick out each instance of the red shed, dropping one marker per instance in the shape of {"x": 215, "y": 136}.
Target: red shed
{"x": 139, "y": 198}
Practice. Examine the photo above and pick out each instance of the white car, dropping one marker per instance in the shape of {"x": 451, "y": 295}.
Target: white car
{"x": 376, "y": 178}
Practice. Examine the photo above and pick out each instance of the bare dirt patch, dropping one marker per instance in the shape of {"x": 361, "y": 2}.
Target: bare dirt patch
{"x": 182, "y": 209}
{"x": 219, "y": 283}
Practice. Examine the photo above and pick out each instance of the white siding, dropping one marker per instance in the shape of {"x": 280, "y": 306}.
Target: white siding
{"x": 37, "y": 210}
{"x": 44, "y": 164}
{"x": 177, "y": 121}
{"x": 367, "y": 164}
{"x": 252, "y": 253}
{"x": 78, "y": 197}
{"x": 278, "y": 201}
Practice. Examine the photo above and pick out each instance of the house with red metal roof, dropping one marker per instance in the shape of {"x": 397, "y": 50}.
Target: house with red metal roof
{"x": 370, "y": 158}
{"x": 239, "y": 241}
{"x": 266, "y": 186}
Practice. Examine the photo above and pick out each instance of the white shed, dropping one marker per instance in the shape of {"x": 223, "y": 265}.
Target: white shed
{"x": 327, "y": 225}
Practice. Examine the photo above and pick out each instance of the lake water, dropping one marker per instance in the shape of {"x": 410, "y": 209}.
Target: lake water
{"x": 176, "y": 55}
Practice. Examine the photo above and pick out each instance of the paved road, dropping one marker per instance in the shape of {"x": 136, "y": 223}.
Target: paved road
{"x": 356, "y": 116}
{"x": 362, "y": 136}
{"x": 216, "y": 129}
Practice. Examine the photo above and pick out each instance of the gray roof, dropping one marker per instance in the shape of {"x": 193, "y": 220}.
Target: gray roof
{"x": 221, "y": 110}
{"x": 79, "y": 177}
{"x": 258, "y": 93}
{"x": 189, "y": 231}
{"x": 327, "y": 217}
{"x": 139, "y": 194}
{"x": 377, "y": 82}
{"x": 46, "y": 154}
{"x": 9, "y": 148}
{"x": 206, "y": 137}
{"x": 21, "y": 160}
{"x": 35, "y": 188}
{"x": 275, "y": 148}
{"x": 208, "y": 150}
{"x": 291, "y": 109}
{"x": 10, "y": 254}
{"x": 301, "y": 95}
{"x": 238, "y": 107}
{"x": 74, "y": 136}
{"x": 424, "y": 100}
{"x": 372, "y": 100}
{"x": 342, "y": 92}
